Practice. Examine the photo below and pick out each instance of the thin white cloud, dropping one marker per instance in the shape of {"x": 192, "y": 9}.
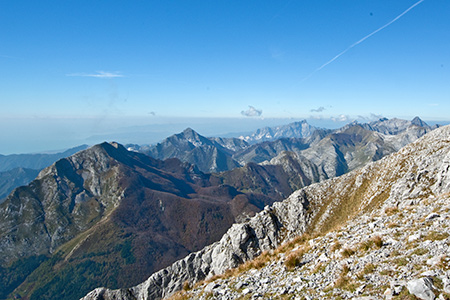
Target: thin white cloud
{"x": 363, "y": 39}
{"x": 375, "y": 116}
{"x": 98, "y": 74}
{"x": 320, "y": 109}
{"x": 252, "y": 112}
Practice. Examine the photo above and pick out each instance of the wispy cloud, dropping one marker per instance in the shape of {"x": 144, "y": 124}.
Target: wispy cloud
{"x": 98, "y": 74}
{"x": 363, "y": 39}
{"x": 375, "y": 116}
{"x": 252, "y": 112}
{"x": 320, "y": 109}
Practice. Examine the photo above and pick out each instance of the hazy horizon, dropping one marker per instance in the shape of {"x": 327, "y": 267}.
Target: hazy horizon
{"x": 79, "y": 70}
{"x": 80, "y": 131}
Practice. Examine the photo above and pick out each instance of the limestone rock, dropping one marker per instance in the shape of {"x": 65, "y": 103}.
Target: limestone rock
{"x": 422, "y": 288}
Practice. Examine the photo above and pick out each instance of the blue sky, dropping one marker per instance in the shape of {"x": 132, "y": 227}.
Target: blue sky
{"x": 71, "y": 70}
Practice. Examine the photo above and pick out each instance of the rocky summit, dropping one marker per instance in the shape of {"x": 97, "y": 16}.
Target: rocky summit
{"x": 378, "y": 232}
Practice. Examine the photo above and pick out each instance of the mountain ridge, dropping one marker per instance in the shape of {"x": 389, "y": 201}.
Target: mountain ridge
{"x": 74, "y": 220}
{"x": 417, "y": 171}
{"x": 223, "y": 154}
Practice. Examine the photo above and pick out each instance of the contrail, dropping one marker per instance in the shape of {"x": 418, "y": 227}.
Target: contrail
{"x": 363, "y": 39}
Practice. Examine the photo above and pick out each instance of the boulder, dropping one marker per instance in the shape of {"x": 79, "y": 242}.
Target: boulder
{"x": 422, "y": 288}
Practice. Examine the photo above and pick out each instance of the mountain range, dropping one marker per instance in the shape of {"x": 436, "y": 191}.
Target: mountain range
{"x": 107, "y": 216}
{"x": 354, "y": 235}
{"x": 284, "y": 165}
{"x": 20, "y": 169}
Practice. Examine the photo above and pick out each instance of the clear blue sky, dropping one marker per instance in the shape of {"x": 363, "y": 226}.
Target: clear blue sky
{"x": 73, "y": 69}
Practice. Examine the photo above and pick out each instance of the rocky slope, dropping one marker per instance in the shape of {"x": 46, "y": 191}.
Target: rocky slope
{"x": 391, "y": 200}
{"x": 110, "y": 216}
{"x": 391, "y": 253}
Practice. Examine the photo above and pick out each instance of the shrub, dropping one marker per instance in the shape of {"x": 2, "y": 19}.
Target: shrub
{"x": 436, "y": 236}
{"x": 369, "y": 268}
{"x": 377, "y": 241}
{"x": 186, "y": 286}
{"x": 294, "y": 258}
{"x": 391, "y": 210}
{"x": 347, "y": 252}
{"x": 420, "y": 251}
{"x": 336, "y": 246}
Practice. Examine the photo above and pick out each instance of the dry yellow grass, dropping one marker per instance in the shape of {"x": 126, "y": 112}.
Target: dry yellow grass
{"x": 294, "y": 259}
{"x": 391, "y": 210}
{"x": 347, "y": 252}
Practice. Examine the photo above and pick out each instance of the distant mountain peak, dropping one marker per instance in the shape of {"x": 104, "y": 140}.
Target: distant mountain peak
{"x": 189, "y": 130}
{"x": 299, "y": 129}
{"x": 191, "y": 134}
{"x": 418, "y": 121}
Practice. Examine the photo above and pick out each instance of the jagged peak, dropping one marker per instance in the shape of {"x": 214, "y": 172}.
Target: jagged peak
{"x": 419, "y": 122}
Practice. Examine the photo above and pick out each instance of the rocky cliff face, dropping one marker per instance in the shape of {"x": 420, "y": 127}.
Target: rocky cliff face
{"x": 418, "y": 174}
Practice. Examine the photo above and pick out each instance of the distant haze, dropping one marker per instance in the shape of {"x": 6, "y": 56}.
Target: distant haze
{"x": 50, "y": 134}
